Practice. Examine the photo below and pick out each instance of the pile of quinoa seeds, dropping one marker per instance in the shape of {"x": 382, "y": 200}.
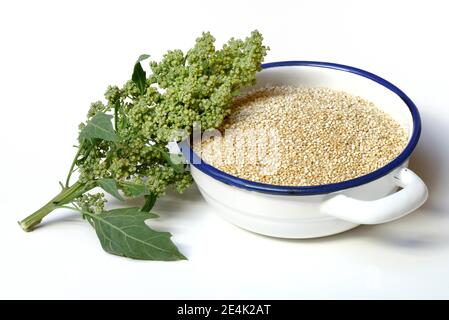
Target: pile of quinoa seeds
{"x": 295, "y": 136}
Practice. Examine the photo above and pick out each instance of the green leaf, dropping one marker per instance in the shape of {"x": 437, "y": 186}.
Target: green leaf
{"x": 174, "y": 160}
{"x": 134, "y": 189}
{"x": 139, "y": 76}
{"x": 110, "y": 186}
{"x": 99, "y": 127}
{"x": 123, "y": 232}
{"x": 142, "y": 57}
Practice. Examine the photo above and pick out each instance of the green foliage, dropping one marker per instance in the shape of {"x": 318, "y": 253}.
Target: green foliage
{"x": 123, "y": 142}
{"x": 123, "y": 232}
{"x": 110, "y": 186}
{"x": 134, "y": 190}
{"x": 139, "y": 76}
{"x": 200, "y": 84}
{"x": 99, "y": 127}
{"x": 93, "y": 203}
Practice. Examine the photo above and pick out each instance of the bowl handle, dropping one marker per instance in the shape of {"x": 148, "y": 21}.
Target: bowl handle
{"x": 394, "y": 206}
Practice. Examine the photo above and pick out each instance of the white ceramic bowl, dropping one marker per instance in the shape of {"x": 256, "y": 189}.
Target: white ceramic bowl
{"x": 316, "y": 211}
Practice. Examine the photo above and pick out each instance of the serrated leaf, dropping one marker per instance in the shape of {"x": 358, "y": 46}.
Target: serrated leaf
{"x": 123, "y": 232}
{"x": 139, "y": 76}
{"x": 134, "y": 189}
{"x": 99, "y": 127}
{"x": 110, "y": 186}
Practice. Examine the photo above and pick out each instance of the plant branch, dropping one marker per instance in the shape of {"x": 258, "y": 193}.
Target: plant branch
{"x": 72, "y": 166}
{"x": 65, "y": 196}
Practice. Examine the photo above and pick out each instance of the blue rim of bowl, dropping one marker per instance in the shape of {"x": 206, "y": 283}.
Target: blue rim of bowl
{"x": 324, "y": 188}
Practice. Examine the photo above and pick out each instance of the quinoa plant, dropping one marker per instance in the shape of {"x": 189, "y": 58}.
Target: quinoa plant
{"x": 122, "y": 145}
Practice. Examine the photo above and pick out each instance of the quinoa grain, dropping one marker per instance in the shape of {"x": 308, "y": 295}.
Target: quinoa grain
{"x": 286, "y": 135}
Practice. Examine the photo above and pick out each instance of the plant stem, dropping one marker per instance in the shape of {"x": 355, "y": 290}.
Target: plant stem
{"x": 65, "y": 196}
{"x": 67, "y": 181}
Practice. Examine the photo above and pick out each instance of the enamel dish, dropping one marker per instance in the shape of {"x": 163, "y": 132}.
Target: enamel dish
{"x": 384, "y": 195}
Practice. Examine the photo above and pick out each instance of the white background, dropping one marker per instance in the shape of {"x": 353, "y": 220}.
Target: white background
{"x": 58, "y": 56}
